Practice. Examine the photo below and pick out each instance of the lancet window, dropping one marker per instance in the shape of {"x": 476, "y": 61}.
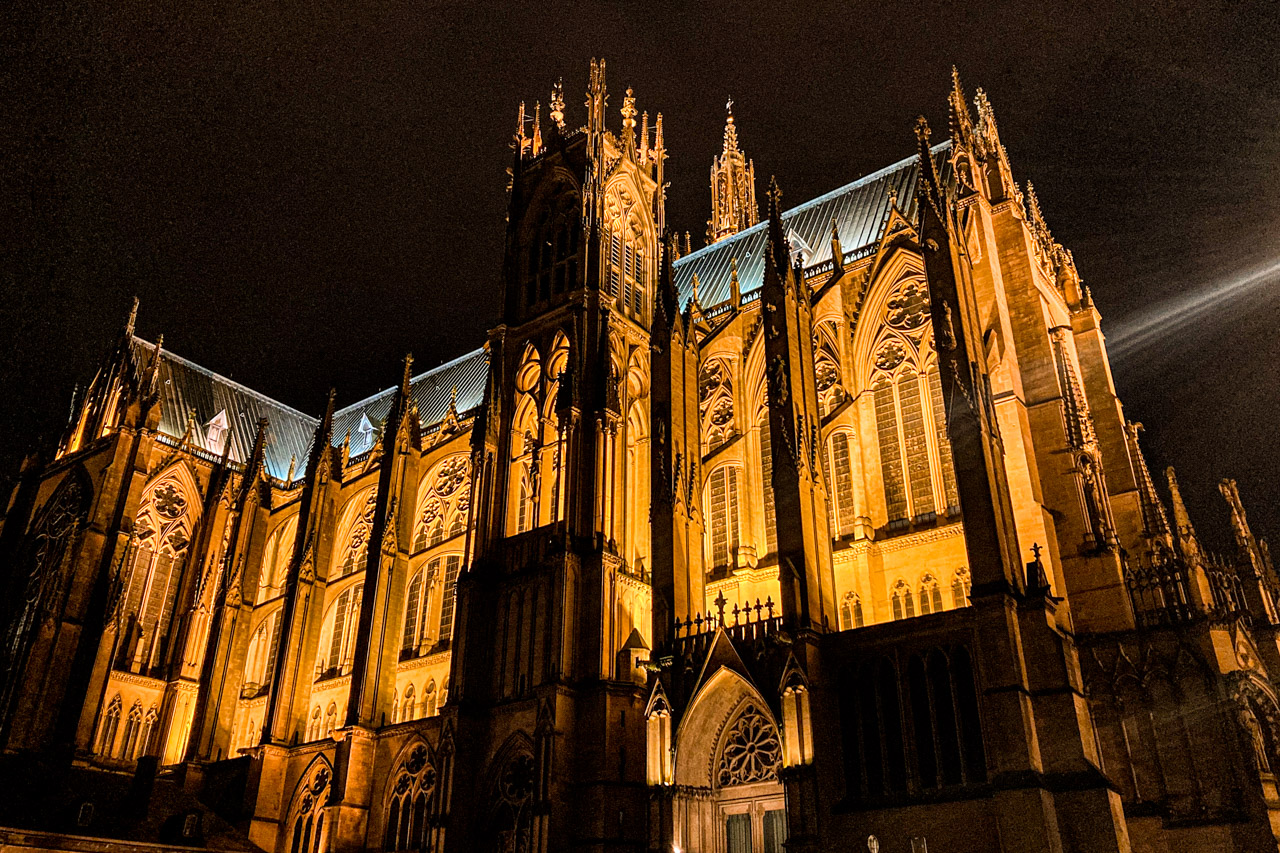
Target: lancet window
{"x": 443, "y": 503}
{"x": 930, "y": 595}
{"x": 722, "y": 511}
{"x": 408, "y": 707}
{"x": 416, "y": 610}
{"x": 339, "y": 639}
{"x": 260, "y": 662}
{"x": 902, "y": 601}
{"x": 552, "y": 260}
{"x": 356, "y": 525}
{"x": 110, "y": 726}
{"x": 308, "y": 821}
{"x": 451, "y": 565}
{"x": 766, "y": 465}
{"x": 839, "y": 471}
{"x": 826, "y": 368}
{"x": 915, "y": 454}
{"x": 275, "y": 560}
{"x": 162, "y": 536}
{"x": 715, "y": 403}
{"x": 410, "y": 806}
{"x": 851, "y": 612}
{"x": 628, "y": 259}
{"x": 960, "y": 587}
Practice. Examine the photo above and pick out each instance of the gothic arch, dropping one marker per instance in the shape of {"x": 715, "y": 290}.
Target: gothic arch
{"x": 512, "y": 794}
{"x": 702, "y": 731}
{"x": 444, "y": 501}
{"x": 902, "y": 266}
{"x": 305, "y": 825}
{"x": 351, "y": 542}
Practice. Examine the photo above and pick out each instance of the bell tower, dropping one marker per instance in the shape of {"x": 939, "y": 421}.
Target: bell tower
{"x": 554, "y": 609}
{"x": 733, "y": 187}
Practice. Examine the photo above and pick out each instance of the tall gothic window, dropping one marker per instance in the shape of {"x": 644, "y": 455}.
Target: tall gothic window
{"x": 355, "y": 527}
{"x": 162, "y": 532}
{"x": 915, "y": 455}
{"x": 722, "y": 510}
{"x": 839, "y": 471}
{"x": 851, "y": 612}
{"x": 628, "y": 267}
{"x": 417, "y": 606}
{"x": 260, "y": 662}
{"x": 452, "y": 566}
{"x": 553, "y": 252}
{"x": 443, "y": 503}
{"x": 275, "y": 560}
{"x": 110, "y": 726}
{"x": 766, "y": 464}
{"x": 339, "y": 640}
{"x": 902, "y": 601}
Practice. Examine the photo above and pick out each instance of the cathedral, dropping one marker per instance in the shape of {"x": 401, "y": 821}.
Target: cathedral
{"x": 831, "y": 534}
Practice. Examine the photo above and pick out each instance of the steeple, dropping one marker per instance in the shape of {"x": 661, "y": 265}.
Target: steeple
{"x": 733, "y": 187}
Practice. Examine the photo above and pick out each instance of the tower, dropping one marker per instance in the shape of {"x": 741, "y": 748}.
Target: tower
{"x": 561, "y": 543}
{"x": 733, "y": 187}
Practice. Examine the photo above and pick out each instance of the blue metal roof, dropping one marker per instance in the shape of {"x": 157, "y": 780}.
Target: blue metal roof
{"x": 432, "y": 392}
{"x": 860, "y": 211}
{"x": 186, "y": 387}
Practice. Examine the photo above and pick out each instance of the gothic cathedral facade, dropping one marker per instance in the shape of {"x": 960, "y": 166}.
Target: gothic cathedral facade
{"x": 829, "y": 535}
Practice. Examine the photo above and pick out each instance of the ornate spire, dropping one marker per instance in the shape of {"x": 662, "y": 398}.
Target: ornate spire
{"x": 522, "y": 141}
{"x": 1155, "y": 524}
{"x": 597, "y": 98}
{"x": 733, "y": 187}
{"x": 537, "y": 129}
{"x": 643, "y": 149}
{"x": 133, "y": 319}
{"x": 557, "y": 104}
{"x": 1183, "y": 532}
{"x": 961, "y": 121}
{"x": 777, "y": 248}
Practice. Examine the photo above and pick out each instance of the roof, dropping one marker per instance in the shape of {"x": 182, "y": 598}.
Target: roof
{"x": 186, "y": 387}
{"x": 860, "y": 211}
{"x": 432, "y": 392}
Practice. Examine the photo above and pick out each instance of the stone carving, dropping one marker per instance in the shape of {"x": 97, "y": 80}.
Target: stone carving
{"x": 751, "y": 751}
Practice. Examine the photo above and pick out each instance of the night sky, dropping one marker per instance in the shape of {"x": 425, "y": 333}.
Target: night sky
{"x": 299, "y": 193}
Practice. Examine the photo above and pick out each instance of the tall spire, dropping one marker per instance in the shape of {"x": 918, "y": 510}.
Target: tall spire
{"x": 733, "y": 186}
{"x": 961, "y": 121}
{"x": 1155, "y": 524}
{"x": 133, "y": 319}
{"x": 1183, "y": 532}
{"x": 537, "y": 129}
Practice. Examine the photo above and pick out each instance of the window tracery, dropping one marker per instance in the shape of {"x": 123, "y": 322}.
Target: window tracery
{"x": 930, "y": 596}
{"x": 960, "y": 587}
{"x": 722, "y": 510}
{"x": 902, "y": 601}
{"x": 260, "y": 662}
{"x": 358, "y": 525}
{"x": 512, "y": 804}
{"x": 715, "y": 403}
{"x": 917, "y": 470}
{"x": 161, "y": 535}
{"x": 339, "y": 640}
{"x": 410, "y": 802}
{"x": 826, "y": 368}
{"x": 275, "y": 562}
{"x": 445, "y": 502}
{"x": 851, "y": 612}
{"x": 838, "y": 467}
{"x": 308, "y": 822}
{"x": 750, "y": 752}
{"x": 552, "y": 257}
{"x": 628, "y": 259}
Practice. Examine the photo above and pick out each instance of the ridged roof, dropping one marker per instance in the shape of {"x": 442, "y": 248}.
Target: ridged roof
{"x": 859, "y": 209}
{"x": 432, "y": 392}
{"x": 186, "y": 387}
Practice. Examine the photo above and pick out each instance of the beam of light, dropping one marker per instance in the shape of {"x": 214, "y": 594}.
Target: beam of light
{"x": 1167, "y": 320}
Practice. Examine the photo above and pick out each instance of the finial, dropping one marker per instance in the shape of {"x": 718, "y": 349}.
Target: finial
{"x": 406, "y": 380}
{"x": 644, "y": 138}
{"x": 695, "y": 288}
{"x": 734, "y": 287}
{"x": 133, "y": 319}
{"x": 293, "y": 464}
{"x": 453, "y": 398}
{"x": 522, "y": 142}
{"x": 775, "y": 196}
{"x": 922, "y": 130}
{"x": 892, "y": 192}
{"x": 837, "y": 251}
{"x": 557, "y": 104}
{"x": 658, "y": 144}
{"x": 537, "y": 129}
{"x": 628, "y": 111}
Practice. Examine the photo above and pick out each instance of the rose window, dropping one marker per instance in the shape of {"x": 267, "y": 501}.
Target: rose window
{"x": 751, "y": 751}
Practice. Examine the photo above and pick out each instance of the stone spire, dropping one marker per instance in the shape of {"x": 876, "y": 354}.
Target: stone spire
{"x": 1183, "y": 532}
{"x": 733, "y": 187}
{"x": 1155, "y": 524}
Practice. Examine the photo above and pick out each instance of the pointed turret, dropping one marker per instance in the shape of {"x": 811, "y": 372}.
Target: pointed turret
{"x": 1184, "y": 534}
{"x": 961, "y": 121}
{"x": 628, "y": 111}
{"x": 733, "y": 187}
{"x": 1155, "y": 524}
{"x": 536, "y": 142}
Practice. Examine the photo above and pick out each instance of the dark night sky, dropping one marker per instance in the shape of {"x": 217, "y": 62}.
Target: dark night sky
{"x": 301, "y": 192}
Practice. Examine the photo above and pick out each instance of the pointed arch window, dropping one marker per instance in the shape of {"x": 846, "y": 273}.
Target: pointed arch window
{"x": 314, "y": 730}
{"x": 357, "y": 524}
{"x": 162, "y": 532}
{"x": 839, "y": 471}
{"x": 408, "y": 710}
{"x": 766, "y": 464}
{"x": 628, "y": 268}
{"x": 260, "y": 662}
{"x": 553, "y": 252}
{"x": 722, "y": 510}
{"x": 449, "y": 595}
{"x": 429, "y": 699}
{"x": 275, "y": 560}
{"x": 331, "y": 718}
{"x": 960, "y": 588}
{"x": 851, "y": 612}
{"x": 132, "y": 733}
{"x": 902, "y": 601}
{"x": 338, "y": 648}
{"x": 150, "y": 733}
{"x": 930, "y": 595}
{"x": 110, "y": 726}
{"x": 444, "y": 502}
{"x": 417, "y": 606}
